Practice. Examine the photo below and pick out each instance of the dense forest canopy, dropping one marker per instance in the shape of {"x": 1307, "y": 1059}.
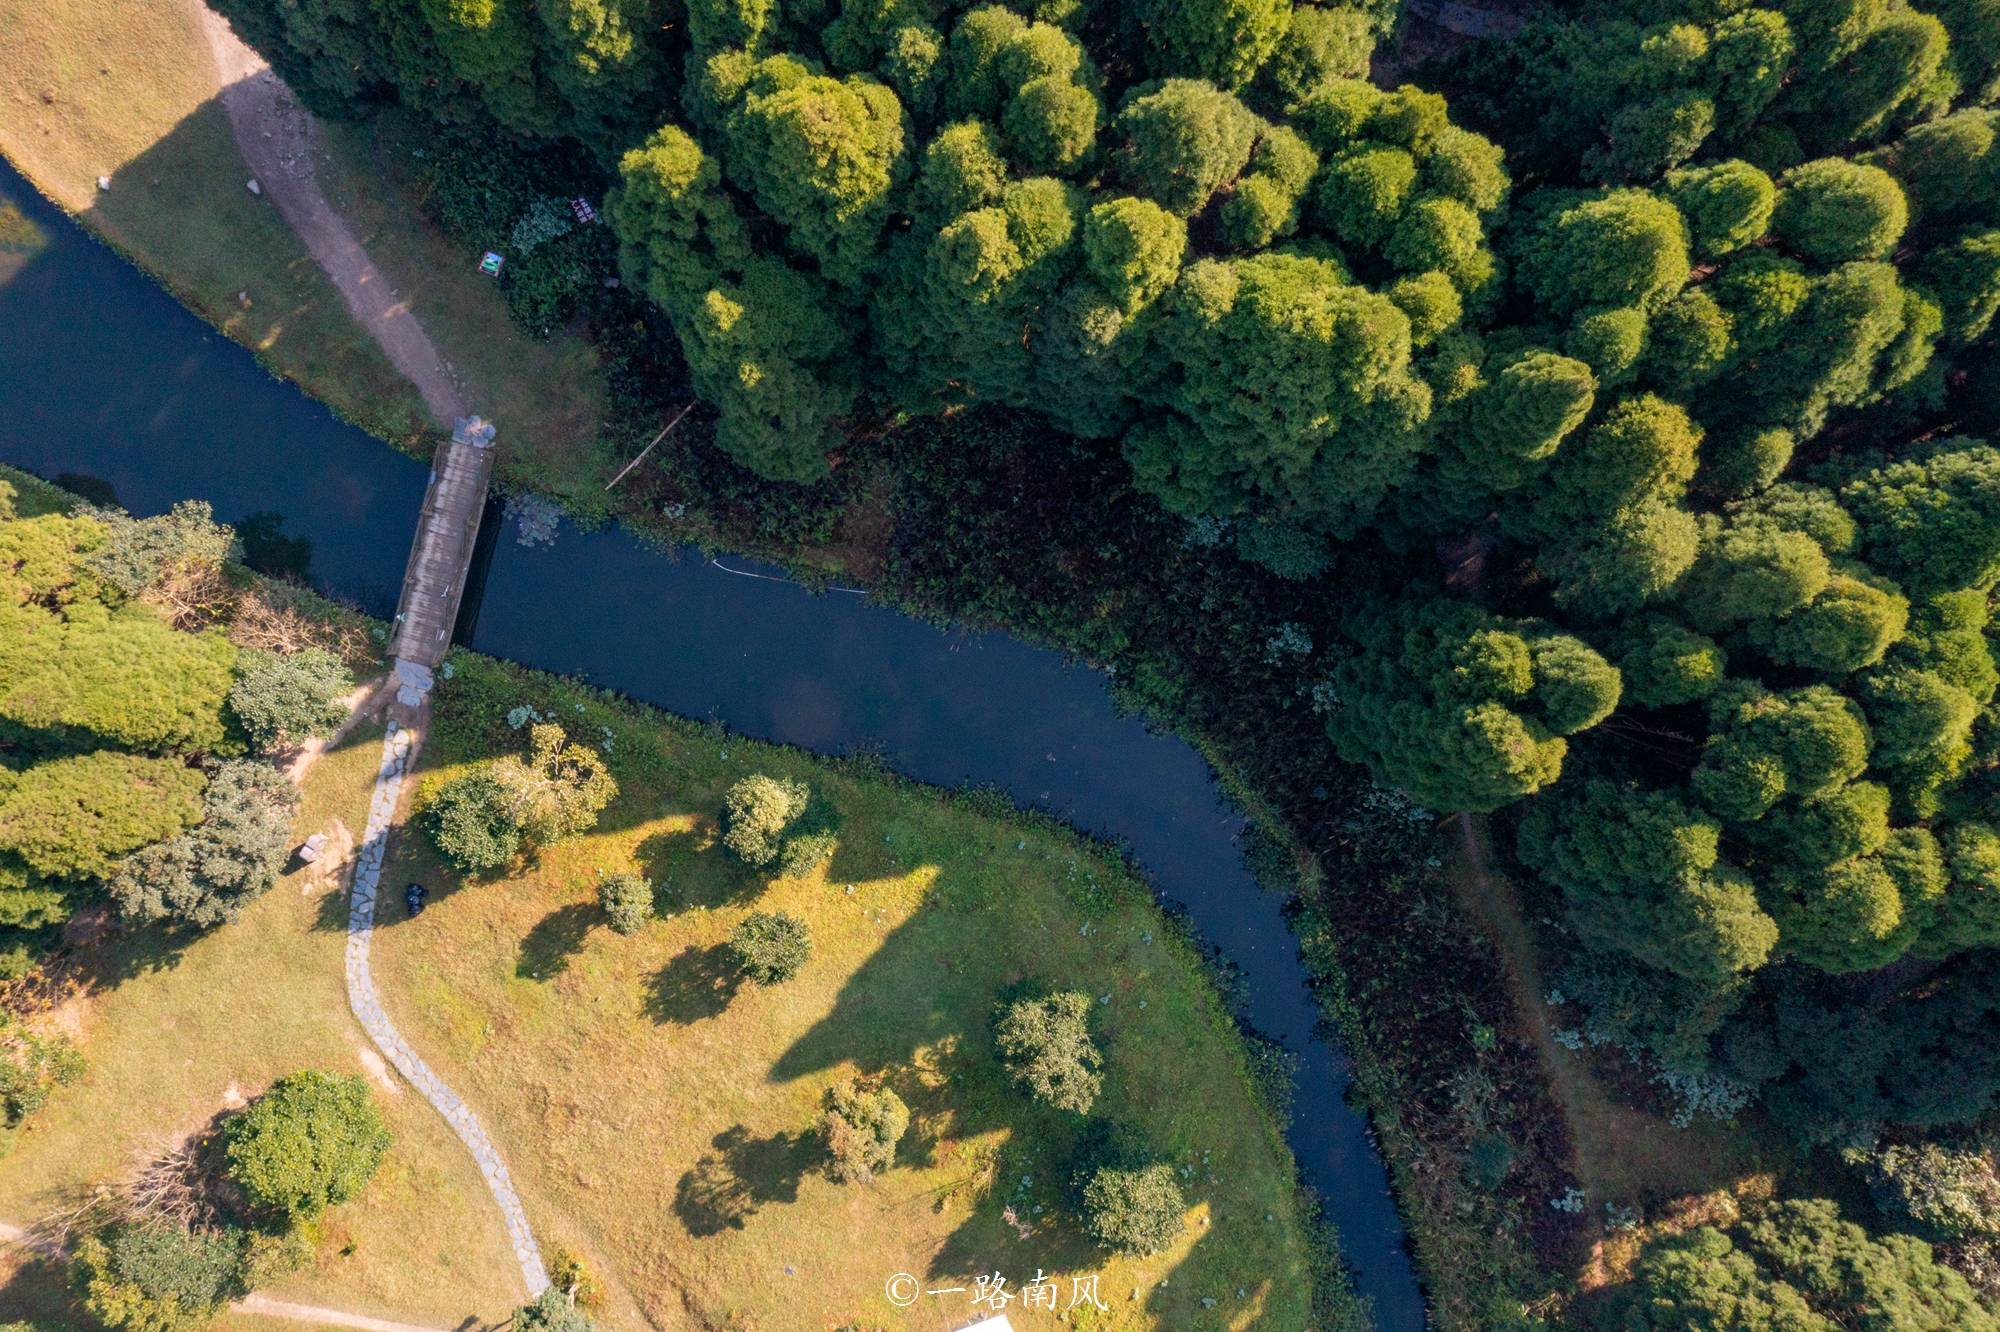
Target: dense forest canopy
{"x": 1675, "y": 316}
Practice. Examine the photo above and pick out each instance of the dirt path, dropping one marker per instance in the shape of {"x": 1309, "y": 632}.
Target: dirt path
{"x": 1620, "y": 1153}
{"x": 279, "y": 141}
{"x": 15, "y": 1236}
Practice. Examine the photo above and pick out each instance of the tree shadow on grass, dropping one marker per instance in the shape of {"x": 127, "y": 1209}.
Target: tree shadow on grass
{"x": 37, "y": 1293}
{"x": 727, "y": 1186}
{"x": 547, "y": 949}
{"x": 332, "y": 910}
{"x": 698, "y": 984}
{"x": 691, "y": 869}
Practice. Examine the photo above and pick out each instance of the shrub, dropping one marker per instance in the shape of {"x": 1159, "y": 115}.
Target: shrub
{"x": 552, "y": 1311}
{"x": 558, "y": 790}
{"x": 283, "y": 698}
{"x": 861, "y": 1128}
{"x": 1135, "y": 1211}
{"x": 1939, "y": 1192}
{"x": 312, "y": 1141}
{"x": 154, "y": 1277}
{"x": 473, "y": 823}
{"x": 755, "y": 813}
{"x": 208, "y": 874}
{"x": 270, "y": 1256}
{"x": 1046, "y": 1046}
{"x": 32, "y": 1067}
{"x": 770, "y": 947}
{"x": 627, "y": 900}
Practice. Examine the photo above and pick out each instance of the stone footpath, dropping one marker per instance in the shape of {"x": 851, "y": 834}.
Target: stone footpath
{"x": 399, "y": 748}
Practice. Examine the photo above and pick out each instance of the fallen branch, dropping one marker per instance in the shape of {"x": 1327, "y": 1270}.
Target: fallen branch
{"x": 649, "y": 448}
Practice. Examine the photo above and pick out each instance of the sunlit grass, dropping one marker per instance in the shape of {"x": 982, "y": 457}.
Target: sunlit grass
{"x": 658, "y": 1117}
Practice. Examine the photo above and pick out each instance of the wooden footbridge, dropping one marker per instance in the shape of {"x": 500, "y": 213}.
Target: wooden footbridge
{"x": 441, "y": 555}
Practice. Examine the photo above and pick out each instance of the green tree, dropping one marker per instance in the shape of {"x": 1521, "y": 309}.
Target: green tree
{"x": 1046, "y": 1046}
{"x": 1931, "y": 519}
{"x": 1641, "y": 872}
{"x": 1833, "y": 210}
{"x": 1727, "y": 206}
{"x": 1850, "y": 623}
{"x": 284, "y": 698}
{"x": 821, "y": 156}
{"x": 756, "y": 813}
{"x": 1180, "y": 141}
{"x": 1584, "y": 252}
{"x": 1458, "y": 708}
{"x": 763, "y": 340}
{"x": 1664, "y": 663}
{"x": 861, "y": 1127}
{"x": 310, "y": 1142}
{"x": 208, "y": 874}
{"x": 1699, "y": 1281}
{"x": 1321, "y": 43}
{"x": 76, "y": 817}
{"x": 1136, "y": 1211}
{"x": 1223, "y": 41}
{"x": 558, "y": 790}
{"x": 1879, "y": 1285}
{"x": 770, "y": 947}
{"x": 627, "y": 901}
{"x": 1289, "y": 384}
{"x": 473, "y": 823}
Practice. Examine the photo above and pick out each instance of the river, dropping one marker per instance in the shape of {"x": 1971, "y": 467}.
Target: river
{"x": 104, "y": 375}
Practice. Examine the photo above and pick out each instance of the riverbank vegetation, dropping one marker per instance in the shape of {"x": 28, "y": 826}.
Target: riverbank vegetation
{"x": 1590, "y": 432}
{"x": 792, "y": 1076}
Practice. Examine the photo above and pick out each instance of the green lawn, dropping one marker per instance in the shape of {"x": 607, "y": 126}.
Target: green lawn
{"x": 171, "y": 1039}
{"x": 657, "y": 1116}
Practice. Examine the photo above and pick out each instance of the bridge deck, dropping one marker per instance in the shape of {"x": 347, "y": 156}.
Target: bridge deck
{"x": 447, "y": 530}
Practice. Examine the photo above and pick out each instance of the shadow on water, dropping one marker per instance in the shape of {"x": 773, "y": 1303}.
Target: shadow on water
{"x": 270, "y": 552}
{"x": 119, "y": 382}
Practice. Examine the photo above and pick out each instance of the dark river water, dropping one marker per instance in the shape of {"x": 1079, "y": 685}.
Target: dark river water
{"x": 104, "y": 375}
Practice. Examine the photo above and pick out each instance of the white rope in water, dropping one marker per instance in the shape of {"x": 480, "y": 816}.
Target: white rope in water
{"x": 770, "y": 578}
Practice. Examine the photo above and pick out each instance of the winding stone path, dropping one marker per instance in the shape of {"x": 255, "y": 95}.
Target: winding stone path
{"x": 399, "y": 751}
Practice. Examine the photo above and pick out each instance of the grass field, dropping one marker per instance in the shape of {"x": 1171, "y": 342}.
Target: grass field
{"x": 172, "y": 1038}
{"x": 658, "y": 1116}
{"x": 93, "y": 88}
